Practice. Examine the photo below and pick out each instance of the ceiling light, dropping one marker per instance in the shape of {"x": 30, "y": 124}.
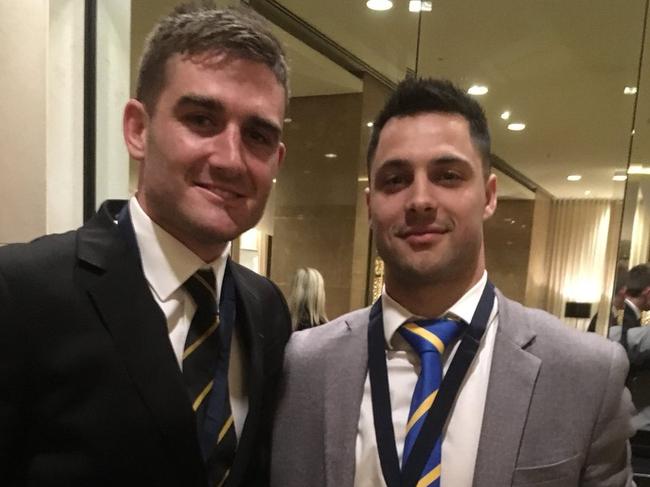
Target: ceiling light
{"x": 363, "y": 179}
{"x": 516, "y": 126}
{"x": 574, "y": 177}
{"x": 369, "y": 124}
{"x": 275, "y": 180}
{"x": 379, "y": 4}
{"x": 419, "y": 6}
{"x": 587, "y": 193}
{"x": 505, "y": 115}
{"x": 331, "y": 155}
{"x": 288, "y": 120}
{"x": 477, "y": 90}
{"x": 619, "y": 176}
{"x": 630, "y": 90}
{"x": 633, "y": 131}
{"x": 638, "y": 169}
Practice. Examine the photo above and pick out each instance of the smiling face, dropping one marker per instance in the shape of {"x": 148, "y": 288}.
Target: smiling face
{"x": 427, "y": 201}
{"x": 210, "y": 150}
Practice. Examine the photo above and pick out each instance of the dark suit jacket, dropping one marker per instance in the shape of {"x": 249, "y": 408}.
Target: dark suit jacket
{"x": 90, "y": 390}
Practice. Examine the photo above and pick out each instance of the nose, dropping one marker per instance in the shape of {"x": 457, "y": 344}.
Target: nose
{"x": 227, "y": 155}
{"x": 422, "y": 198}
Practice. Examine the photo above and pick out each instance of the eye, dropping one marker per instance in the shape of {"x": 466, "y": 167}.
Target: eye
{"x": 259, "y": 137}
{"x": 393, "y": 181}
{"x": 449, "y": 177}
{"x": 199, "y": 122}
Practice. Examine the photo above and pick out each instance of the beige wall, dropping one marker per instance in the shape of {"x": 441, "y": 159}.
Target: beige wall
{"x": 537, "y": 281}
{"x": 316, "y": 197}
{"x": 507, "y": 246}
{"x": 41, "y": 86}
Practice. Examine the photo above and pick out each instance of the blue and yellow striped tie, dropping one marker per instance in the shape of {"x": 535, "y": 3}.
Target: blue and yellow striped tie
{"x": 429, "y": 339}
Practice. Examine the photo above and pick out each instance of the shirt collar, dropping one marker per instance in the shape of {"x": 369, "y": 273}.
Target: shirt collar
{"x": 634, "y": 307}
{"x": 166, "y": 262}
{"x": 394, "y": 314}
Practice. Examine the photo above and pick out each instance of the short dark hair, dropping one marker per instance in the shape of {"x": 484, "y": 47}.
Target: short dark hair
{"x": 414, "y": 96}
{"x": 197, "y": 28}
{"x": 638, "y": 280}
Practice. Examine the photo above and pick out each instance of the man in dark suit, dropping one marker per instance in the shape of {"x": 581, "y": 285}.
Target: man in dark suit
{"x": 618, "y": 300}
{"x": 105, "y": 332}
{"x": 637, "y": 299}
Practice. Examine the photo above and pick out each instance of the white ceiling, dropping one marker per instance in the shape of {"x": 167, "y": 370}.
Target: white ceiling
{"x": 558, "y": 66}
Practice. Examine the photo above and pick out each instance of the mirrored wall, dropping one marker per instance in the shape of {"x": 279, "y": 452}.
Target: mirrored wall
{"x": 568, "y": 105}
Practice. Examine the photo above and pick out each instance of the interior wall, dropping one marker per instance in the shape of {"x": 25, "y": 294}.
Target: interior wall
{"x": 537, "y": 280}
{"x": 373, "y": 98}
{"x": 113, "y": 66}
{"x": 41, "y": 43}
{"x": 507, "y": 246}
{"x": 316, "y": 197}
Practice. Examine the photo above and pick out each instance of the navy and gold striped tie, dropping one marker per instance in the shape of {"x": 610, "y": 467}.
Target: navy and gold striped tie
{"x": 203, "y": 355}
{"x": 202, "y": 343}
{"x": 429, "y": 339}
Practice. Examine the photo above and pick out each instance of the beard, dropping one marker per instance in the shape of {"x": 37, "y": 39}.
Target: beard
{"x": 429, "y": 267}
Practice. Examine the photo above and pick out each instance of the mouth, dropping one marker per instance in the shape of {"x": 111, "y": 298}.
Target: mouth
{"x": 422, "y": 235}
{"x": 222, "y": 193}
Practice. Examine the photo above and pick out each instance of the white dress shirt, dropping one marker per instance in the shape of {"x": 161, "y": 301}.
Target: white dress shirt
{"x": 167, "y": 264}
{"x": 463, "y": 429}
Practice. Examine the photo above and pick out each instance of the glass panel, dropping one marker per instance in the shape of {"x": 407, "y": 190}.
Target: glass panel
{"x": 564, "y": 80}
{"x": 383, "y": 40}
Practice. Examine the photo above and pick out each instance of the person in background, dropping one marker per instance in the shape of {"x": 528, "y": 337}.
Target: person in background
{"x": 444, "y": 381}
{"x": 637, "y": 300}
{"x": 307, "y": 299}
{"x": 134, "y": 351}
{"x": 618, "y": 300}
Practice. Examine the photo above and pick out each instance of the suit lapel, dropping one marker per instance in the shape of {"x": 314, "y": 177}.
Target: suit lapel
{"x": 345, "y": 375}
{"x": 512, "y": 381}
{"x": 110, "y": 271}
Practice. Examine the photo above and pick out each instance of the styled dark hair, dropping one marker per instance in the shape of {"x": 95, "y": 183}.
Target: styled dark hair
{"x": 414, "y": 96}
{"x": 638, "y": 280}
{"x": 199, "y": 28}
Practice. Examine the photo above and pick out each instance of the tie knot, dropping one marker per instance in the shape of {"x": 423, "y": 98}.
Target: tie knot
{"x": 202, "y": 287}
{"x": 430, "y": 335}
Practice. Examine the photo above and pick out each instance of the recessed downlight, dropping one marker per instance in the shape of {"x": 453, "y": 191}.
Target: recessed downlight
{"x": 574, "y": 177}
{"x": 588, "y": 192}
{"x": 516, "y": 126}
{"x": 288, "y": 120}
{"x": 505, "y": 115}
{"x": 370, "y": 124}
{"x": 331, "y": 155}
{"x": 638, "y": 169}
{"x": 630, "y": 90}
{"x": 379, "y": 4}
{"x": 419, "y": 6}
{"x": 275, "y": 180}
{"x": 477, "y": 90}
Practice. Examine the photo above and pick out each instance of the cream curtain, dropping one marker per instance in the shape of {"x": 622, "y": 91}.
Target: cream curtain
{"x": 582, "y": 252}
{"x": 639, "y": 244}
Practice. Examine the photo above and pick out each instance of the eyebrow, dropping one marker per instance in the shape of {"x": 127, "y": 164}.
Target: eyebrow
{"x": 198, "y": 100}
{"x": 213, "y": 105}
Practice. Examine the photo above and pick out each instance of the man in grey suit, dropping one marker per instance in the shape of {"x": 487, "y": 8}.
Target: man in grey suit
{"x": 525, "y": 400}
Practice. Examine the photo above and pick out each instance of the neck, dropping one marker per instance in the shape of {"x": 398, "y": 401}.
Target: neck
{"x": 431, "y": 299}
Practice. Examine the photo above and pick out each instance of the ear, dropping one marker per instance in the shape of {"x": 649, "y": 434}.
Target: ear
{"x": 134, "y": 127}
{"x": 490, "y": 196}
{"x": 282, "y": 152}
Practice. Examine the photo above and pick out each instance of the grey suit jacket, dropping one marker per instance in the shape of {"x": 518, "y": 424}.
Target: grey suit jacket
{"x": 557, "y": 413}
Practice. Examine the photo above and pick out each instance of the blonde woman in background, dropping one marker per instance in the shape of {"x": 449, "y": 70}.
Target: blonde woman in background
{"x": 307, "y": 300}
